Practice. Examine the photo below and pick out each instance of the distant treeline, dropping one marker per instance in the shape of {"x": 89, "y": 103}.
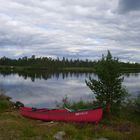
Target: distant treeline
{"x": 57, "y": 64}
{"x": 46, "y": 62}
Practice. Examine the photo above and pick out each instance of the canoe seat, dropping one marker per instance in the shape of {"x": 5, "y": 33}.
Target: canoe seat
{"x": 70, "y": 110}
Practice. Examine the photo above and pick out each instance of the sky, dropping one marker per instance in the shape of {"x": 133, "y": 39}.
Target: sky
{"x": 83, "y": 29}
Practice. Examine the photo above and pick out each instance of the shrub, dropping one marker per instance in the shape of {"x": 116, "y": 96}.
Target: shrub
{"x": 137, "y": 104}
{"x": 5, "y": 103}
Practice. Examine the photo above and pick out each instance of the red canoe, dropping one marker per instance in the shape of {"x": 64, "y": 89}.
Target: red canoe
{"x": 90, "y": 115}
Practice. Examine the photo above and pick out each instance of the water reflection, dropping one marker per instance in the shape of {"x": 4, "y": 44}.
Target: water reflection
{"x": 131, "y": 74}
{"x": 132, "y": 83}
{"x": 44, "y": 89}
{"x": 34, "y": 75}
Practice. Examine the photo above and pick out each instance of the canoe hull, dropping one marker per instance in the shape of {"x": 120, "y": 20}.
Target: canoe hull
{"x": 92, "y": 115}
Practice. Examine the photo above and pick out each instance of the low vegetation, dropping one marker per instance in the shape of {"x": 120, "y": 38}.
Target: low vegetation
{"x": 125, "y": 126}
{"x": 5, "y": 103}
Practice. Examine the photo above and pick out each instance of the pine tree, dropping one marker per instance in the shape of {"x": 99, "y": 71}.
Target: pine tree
{"x": 108, "y": 87}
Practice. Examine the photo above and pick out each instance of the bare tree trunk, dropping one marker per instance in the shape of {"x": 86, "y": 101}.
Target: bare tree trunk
{"x": 108, "y": 106}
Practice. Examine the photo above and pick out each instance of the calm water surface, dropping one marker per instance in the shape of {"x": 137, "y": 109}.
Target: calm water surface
{"x": 46, "y": 90}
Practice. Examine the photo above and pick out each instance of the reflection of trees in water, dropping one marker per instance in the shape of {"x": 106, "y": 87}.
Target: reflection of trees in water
{"x": 28, "y": 74}
{"x": 131, "y": 74}
{"x": 33, "y": 75}
{"x": 37, "y": 74}
{"x": 64, "y": 75}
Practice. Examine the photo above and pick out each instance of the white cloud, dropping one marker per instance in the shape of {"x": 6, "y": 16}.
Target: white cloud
{"x": 75, "y": 28}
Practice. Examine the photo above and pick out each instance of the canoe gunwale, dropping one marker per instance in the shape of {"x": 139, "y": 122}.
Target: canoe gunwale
{"x": 49, "y": 110}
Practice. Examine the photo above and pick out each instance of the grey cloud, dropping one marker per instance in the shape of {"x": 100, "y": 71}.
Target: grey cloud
{"x": 128, "y": 5}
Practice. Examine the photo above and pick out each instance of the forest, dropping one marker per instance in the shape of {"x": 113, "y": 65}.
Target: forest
{"x": 49, "y": 63}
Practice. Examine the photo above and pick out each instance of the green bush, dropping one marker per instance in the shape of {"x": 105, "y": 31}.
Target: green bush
{"x": 5, "y": 102}
{"x": 4, "y": 105}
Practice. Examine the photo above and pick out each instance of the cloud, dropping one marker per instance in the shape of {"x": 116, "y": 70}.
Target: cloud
{"x": 74, "y": 29}
{"x": 128, "y": 5}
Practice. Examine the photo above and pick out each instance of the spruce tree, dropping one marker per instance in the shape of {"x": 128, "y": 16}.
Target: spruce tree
{"x": 108, "y": 88}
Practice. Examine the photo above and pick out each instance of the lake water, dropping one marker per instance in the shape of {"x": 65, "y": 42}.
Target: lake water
{"x": 46, "y": 89}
